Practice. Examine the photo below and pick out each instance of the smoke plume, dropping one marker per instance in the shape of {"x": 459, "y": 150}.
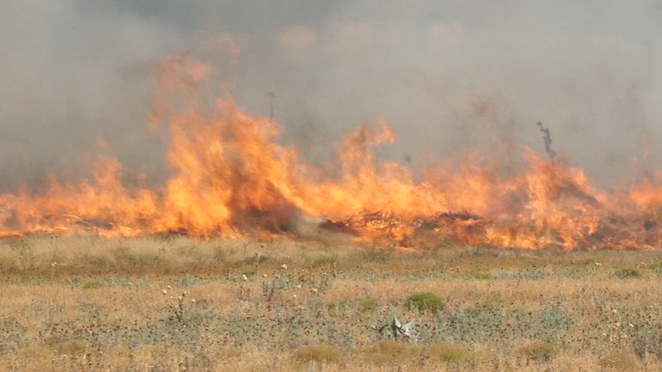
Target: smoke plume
{"x": 449, "y": 77}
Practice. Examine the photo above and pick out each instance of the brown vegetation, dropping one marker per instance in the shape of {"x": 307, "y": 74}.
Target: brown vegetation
{"x": 85, "y": 303}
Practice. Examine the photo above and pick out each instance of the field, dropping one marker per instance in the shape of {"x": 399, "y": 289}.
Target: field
{"x": 176, "y": 304}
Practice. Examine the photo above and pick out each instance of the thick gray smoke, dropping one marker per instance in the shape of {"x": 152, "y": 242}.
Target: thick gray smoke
{"x": 447, "y": 76}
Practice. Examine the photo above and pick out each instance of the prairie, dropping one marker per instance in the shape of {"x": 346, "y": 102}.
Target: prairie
{"x": 178, "y": 304}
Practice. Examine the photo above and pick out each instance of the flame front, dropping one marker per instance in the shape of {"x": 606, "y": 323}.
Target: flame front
{"x": 229, "y": 176}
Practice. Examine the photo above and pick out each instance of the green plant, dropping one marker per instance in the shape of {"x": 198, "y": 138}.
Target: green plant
{"x": 480, "y": 275}
{"x": 94, "y": 283}
{"x": 627, "y": 273}
{"x": 655, "y": 266}
{"x": 73, "y": 282}
{"x": 324, "y": 261}
{"x": 489, "y": 305}
{"x": 425, "y": 302}
{"x": 369, "y": 304}
{"x": 337, "y": 305}
{"x": 318, "y": 353}
{"x": 187, "y": 281}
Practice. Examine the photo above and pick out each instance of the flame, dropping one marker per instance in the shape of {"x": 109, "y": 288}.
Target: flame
{"x": 229, "y": 177}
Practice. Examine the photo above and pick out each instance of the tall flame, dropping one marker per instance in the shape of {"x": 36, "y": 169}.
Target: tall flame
{"x": 229, "y": 176}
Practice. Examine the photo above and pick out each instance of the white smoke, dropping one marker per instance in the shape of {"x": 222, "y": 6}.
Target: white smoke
{"x": 438, "y": 72}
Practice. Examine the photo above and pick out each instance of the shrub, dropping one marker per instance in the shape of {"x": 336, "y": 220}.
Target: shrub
{"x": 482, "y": 275}
{"x": 425, "y": 301}
{"x": 336, "y": 307}
{"x": 318, "y": 353}
{"x": 655, "y": 266}
{"x": 448, "y": 352}
{"x": 540, "y": 351}
{"x": 620, "y": 361}
{"x": 187, "y": 281}
{"x": 324, "y": 261}
{"x": 95, "y": 283}
{"x": 369, "y": 304}
{"x": 627, "y": 273}
{"x": 489, "y": 305}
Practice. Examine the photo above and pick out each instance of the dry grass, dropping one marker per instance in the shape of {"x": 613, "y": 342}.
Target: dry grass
{"x": 448, "y": 352}
{"x": 166, "y": 304}
{"x": 620, "y": 361}
{"x": 318, "y": 353}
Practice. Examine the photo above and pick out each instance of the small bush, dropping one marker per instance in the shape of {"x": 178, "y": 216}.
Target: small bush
{"x": 425, "y": 301}
{"x": 101, "y": 261}
{"x": 627, "y": 273}
{"x": 369, "y": 304}
{"x": 324, "y": 261}
{"x": 540, "y": 351}
{"x": 187, "y": 281}
{"x": 318, "y": 353}
{"x": 337, "y": 305}
{"x": 655, "y": 266}
{"x": 448, "y": 352}
{"x": 481, "y": 275}
{"x": 489, "y": 305}
{"x": 620, "y": 361}
{"x": 92, "y": 284}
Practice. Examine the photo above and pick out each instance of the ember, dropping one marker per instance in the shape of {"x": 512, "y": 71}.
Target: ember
{"x": 229, "y": 177}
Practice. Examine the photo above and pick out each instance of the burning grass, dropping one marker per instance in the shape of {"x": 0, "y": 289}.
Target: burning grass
{"x": 90, "y": 303}
{"x": 229, "y": 177}
{"x": 248, "y": 258}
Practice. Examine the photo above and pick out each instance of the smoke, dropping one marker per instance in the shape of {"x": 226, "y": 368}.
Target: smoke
{"x": 447, "y": 76}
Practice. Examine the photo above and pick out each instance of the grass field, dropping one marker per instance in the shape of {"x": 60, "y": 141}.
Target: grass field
{"x": 177, "y": 304}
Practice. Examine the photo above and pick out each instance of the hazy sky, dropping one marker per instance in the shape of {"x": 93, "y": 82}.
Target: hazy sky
{"x": 74, "y": 71}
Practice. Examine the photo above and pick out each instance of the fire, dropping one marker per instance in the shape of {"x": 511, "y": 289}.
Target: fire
{"x": 230, "y": 177}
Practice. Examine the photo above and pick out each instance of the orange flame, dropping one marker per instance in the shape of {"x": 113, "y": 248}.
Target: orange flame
{"x": 229, "y": 176}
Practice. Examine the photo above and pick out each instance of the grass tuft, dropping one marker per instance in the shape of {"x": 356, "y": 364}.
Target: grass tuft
{"x": 481, "y": 275}
{"x": 448, "y": 352}
{"x": 489, "y": 305}
{"x": 336, "y": 307}
{"x": 93, "y": 284}
{"x": 540, "y": 351}
{"x": 324, "y": 261}
{"x": 627, "y": 273}
{"x": 369, "y": 304}
{"x": 425, "y": 302}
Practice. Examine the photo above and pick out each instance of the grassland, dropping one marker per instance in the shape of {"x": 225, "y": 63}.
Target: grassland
{"x": 174, "y": 304}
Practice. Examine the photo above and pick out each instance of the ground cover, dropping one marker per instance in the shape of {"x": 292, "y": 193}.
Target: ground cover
{"x": 165, "y": 304}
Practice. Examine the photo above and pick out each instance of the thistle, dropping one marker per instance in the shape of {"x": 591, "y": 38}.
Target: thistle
{"x": 547, "y": 137}
{"x": 396, "y": 329}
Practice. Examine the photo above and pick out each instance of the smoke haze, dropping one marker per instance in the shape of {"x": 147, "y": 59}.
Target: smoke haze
{"x": 447, "y": 76}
